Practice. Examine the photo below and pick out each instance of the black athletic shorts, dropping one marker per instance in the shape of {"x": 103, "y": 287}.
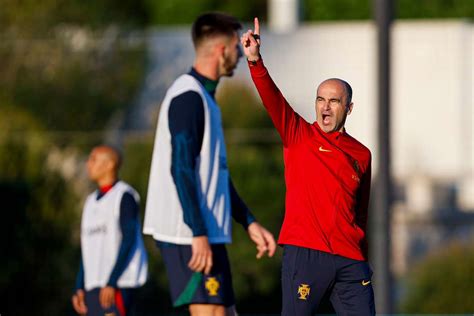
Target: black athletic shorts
{"x": 189, "y": 287}
{"x": 124, "y": 299}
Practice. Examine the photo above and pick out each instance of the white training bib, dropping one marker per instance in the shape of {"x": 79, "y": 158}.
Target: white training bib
{"x": 101, "y": 238}
{"x": 164, "y": 213}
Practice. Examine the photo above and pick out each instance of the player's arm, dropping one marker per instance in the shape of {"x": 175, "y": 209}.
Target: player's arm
{"x": 78, "y": 301}
{"x": 128, "y": 220}
{"x": 80, "y": 276}
{"x": 262, "y": 238}
{"x": 240, "y": 211}
{"x": 288, "y": 123}
{"x": 186, "y": 124}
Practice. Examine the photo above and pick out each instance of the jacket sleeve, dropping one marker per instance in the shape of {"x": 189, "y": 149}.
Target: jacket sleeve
{"x": 128, "y": 225}
{"x": 363, "y": 205}
{"x": 80, "y": 277}
{"x": 240, "y": 211}
{"x": 186, "y": 125}
{"x": 289, "y": 124}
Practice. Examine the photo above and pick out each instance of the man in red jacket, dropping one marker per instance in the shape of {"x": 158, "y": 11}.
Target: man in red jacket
{"x": 327, "y": 175}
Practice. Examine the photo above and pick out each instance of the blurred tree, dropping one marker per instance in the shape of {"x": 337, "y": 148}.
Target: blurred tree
{"x": 240, "y": 107}
{"x": 257, "y": 172}
{"x": 39, "y": 214}
{"x": 64, "y": 62}
{"x": 424, "y": 9}
{"x": 185, "y": 11}
{"x": 137, "y": 161}
{"x": 323, "y": 10}
{"x": 442, "y": 283}
{"x": 256, "y": 167}
{"x": 39, "y": 17}
{"x": 75, "y": 80}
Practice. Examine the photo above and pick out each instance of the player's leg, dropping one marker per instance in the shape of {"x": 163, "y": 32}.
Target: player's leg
{"x": 205, "y": 294}
{"x": 353, "y": 293}
{"x": 91, "y": 299}
{"x": 124, "y": 299}
{"x": 123, "y": 302}
{"x": 93, "y": 305}
{"x": 206, "y": 310}
{"x": 325, "y": 306}
{"x": 213, "y": 310}
{"x": 306, "y": 276}
{"x": 216, "y": 290}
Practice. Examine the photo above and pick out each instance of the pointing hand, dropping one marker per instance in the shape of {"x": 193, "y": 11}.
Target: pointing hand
{"x": 251, "y": 42}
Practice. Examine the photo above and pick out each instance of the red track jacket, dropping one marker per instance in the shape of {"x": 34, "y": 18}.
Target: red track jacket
{"x": 327, "y": 179}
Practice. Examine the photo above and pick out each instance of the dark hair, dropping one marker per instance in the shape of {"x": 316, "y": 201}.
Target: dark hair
{"x": 213, "y": 24}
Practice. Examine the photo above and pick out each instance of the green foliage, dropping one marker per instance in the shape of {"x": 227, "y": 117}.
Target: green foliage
{"x": 321, "y": 10}
{"x": 14, "y": 125}
{"x": 240, "y": 107}
{"x": 39, "y": 212}
{"x": 442, "y": 283}
{"x": 39, "y": 17}
{"x": 186, "y": 11}
{"x": 69, "y": 88}
{"x": 136, "y": 166}
{"x": 424, "y": 9}
{"x": 257, "y": 172}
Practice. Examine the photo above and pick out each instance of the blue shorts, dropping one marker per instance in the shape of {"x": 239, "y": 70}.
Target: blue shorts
{"x": 309, "y": 277}
{"x": 123, "y": 302}
{"x": 189, "y": 287}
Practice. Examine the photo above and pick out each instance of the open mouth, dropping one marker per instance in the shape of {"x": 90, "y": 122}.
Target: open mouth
{"x": 326, "y": 118}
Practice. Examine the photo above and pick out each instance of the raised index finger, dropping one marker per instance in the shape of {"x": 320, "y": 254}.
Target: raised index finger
{"x": 257, "y": 26}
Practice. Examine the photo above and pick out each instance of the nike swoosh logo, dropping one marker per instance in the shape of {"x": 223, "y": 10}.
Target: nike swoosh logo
{"x": 324, "y": 150}
{"x": 365, "y": 283}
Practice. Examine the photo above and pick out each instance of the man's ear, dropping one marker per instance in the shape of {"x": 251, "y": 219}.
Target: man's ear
{"x": 349, "y": 108}
{"x": 111, "y": 166}
{"x": 218, "y": 45}
{"x": 221, "y": 49}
